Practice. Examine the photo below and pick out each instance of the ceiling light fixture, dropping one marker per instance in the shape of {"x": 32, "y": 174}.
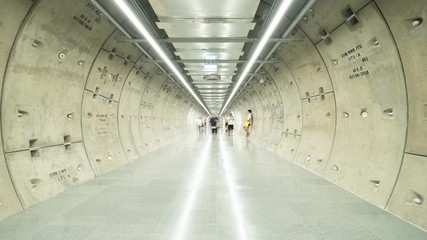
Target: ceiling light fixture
{"x": 141, "y": 28}
{"x": 284, "y": 6}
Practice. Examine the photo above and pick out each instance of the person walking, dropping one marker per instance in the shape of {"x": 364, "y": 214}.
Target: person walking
{"x": 230, "y": 124}
{"x": 214, "y": 122}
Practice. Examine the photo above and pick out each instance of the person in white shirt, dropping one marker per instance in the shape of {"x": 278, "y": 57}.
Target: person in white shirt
{"x": 230, "y": 124}
{"x": 199, "y": 124}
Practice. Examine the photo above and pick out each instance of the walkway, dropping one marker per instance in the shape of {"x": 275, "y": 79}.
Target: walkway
{"x": 208, "y": 188}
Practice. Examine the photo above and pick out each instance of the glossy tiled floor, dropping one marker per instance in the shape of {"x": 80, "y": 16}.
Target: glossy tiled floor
{"x": 208, "y": 188}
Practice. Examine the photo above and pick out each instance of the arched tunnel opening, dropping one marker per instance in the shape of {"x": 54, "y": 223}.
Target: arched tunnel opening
{"x": 346, "y": 100}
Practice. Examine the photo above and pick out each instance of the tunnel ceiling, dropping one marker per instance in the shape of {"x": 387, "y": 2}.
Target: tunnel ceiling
{"x": 210, "y": 41}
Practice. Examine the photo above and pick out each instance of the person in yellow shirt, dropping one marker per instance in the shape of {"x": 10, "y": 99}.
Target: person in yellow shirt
{"x": 248, "y": 123}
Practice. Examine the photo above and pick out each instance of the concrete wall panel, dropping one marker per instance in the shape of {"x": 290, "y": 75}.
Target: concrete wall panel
{"x": 159, "y": 113}
{"x": 318, "y": 132}
{"x": 51, "y": 171}
{"x": 408, "y": 199}
{"x": 46, "y": 72}
{"x": 371, "y": 106}
{"x": 288, "y": 145}
{"x": 306, "y": 65}
{"x": 407, "y": 23}
{"x": 108, "y": 75}
{"x": 291, "y": 107}
{"x": 146, "y": 109}
{"x": 129, "y": 115}
{"x": 100, "y": 133}
{"x": 10, "y": 22}
{"x": 125, "y": 50}
{"x": 327, "y": 15}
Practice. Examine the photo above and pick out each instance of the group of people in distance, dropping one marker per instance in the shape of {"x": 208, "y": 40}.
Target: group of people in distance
{"x": 215, "y": 123}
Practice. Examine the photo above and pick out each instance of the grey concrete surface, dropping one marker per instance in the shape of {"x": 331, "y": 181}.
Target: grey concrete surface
{"x": 347, "y": 103}
{"x": 208, "y": 187}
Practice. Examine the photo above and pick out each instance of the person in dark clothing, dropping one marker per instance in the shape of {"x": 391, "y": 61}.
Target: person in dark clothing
{"x": 214, "y": 122}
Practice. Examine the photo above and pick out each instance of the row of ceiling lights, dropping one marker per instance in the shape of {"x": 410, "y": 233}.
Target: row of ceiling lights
{"x": 134, "y": 19}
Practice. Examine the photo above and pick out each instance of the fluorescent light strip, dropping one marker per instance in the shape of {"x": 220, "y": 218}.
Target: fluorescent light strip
{"x": 137, "y": 23}
{"x": 276, "y": 19}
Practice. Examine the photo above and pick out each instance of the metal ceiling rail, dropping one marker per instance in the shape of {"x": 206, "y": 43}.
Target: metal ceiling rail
{"x": 209, "y": 40}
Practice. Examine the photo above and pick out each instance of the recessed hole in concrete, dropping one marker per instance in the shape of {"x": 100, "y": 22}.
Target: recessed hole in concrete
{"x": 352, "y": 22}
{"x": 98, "y": 161}
{"x": 347, "y": 12}
{"x": 413, "y": 197}
{"x": 32, "y": 142}
{"x": 34, "y": 153}
{"x": 61, "y": 55}
{"x": 375, "y": 183}
{"x": 374, "y": 42}
{"x": 89, "y": 115}
{"x": 36, "y": 43}
{"x": 22, "y": 113}
{"x": 70, "y": 116}
{"x": 67, "y": 146}
{"x": 389, "y": 112}
{"x": 79, "y": 168}
{"x": 345, "y": 115}
{"x": 36, "y": 182}
{"x": 416, "y": 22}
{"x": 325, "y": 37}
{"x": 67, "y": 139}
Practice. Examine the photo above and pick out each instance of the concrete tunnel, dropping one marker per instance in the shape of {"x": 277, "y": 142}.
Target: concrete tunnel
{"x": 347, "y": 101}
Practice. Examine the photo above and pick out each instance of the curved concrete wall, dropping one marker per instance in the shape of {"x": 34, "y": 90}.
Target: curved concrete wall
{"x": 348, "y": 103}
